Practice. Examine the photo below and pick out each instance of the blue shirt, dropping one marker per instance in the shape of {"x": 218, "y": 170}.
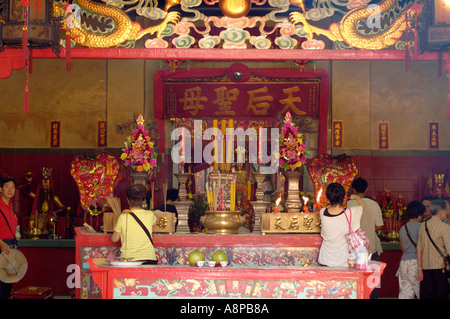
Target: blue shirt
{"x": 409, "y": 251}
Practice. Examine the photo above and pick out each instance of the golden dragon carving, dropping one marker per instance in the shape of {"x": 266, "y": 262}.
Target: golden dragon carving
{"x": 346, "y": 31}
{"x": 125, "y": 29}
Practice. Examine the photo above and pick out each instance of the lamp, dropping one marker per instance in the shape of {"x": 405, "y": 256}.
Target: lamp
{"x": 28, "y": 24}
{"x": 33, "y": 16}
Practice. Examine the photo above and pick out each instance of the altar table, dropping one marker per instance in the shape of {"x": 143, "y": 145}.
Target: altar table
{"x": 184, "y": 281}
{"x": 289, "y": 259}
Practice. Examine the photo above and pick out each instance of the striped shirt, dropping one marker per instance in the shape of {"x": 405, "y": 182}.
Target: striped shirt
{"x": 440, "y": 233}
{"x": 135, "y": 242}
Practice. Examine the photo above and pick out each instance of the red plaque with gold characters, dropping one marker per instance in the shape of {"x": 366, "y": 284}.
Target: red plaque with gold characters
{"x": 383, "y": 135}
{"x": 101, "y": 134}
{"x": 336, "y": 133}
{"x": 55, "y": 134}
{"x": 434, "y": 136}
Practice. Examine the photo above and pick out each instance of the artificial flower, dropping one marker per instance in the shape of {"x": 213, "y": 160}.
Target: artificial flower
{"x": 292, "y": 149}
{"x": 139, "y": 153}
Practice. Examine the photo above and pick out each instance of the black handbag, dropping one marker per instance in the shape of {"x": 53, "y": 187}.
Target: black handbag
{"x": 446, "y": 266}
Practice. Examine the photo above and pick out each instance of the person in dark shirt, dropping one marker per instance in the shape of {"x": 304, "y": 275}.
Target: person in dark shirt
{"x": 171, "y": 198}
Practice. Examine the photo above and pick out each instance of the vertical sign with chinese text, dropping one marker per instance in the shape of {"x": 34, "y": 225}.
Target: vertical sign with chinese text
{"x": 101, "y": 134}
{"x": 55, "y": 134}
{"x": 337, "y": 131}
{"x": 434, "y": 136}
{"x": 383, "y": 135}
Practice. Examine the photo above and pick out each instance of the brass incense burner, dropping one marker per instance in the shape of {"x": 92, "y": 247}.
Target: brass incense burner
{"x": 222, "y": 222}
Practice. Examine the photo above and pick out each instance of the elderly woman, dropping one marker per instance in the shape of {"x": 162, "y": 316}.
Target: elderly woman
{"x": 433, "y": 282}
{"x": 334, "y": 249}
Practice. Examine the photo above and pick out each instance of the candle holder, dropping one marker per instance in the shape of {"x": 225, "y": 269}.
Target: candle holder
{"x": 183, "y": 205}
{"x": 293, "y": 202}
{"x": 182, "y": 179}
{"x": 259, "y": 206}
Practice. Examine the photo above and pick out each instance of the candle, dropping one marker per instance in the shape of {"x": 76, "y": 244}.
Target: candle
{"x": 153, "y": 201}
{"x": 232, "y": 200}
{"x": 249, "y": 190}
{"x": 183, "y": 146}
{"x": 224, "y": 133}
{"x": 216, "y": 146}
{"x": 277, "y": 202}
{"x": 319, "y": 195}
{"x": 230, "y": 145}
{"x": 305, "y": 208}
{"x": 260, "y": 144}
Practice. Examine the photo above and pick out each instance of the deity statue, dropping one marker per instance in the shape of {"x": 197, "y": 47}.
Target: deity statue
{"x": 244, "y": 188}
{"x": 401, "y": 208}
{"x": 43, "y": 216}
{"x": 438, "y": 185}
{"x": 388, "y": 208}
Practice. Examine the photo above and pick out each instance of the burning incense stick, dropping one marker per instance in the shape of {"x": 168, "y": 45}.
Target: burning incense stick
{"x": 165, "y": 195}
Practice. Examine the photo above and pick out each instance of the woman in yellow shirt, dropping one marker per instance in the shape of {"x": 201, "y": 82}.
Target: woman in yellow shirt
{"x": 136, "y": 244}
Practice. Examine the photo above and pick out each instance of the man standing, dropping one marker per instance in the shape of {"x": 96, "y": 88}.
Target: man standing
{"x": 371, "y": 220}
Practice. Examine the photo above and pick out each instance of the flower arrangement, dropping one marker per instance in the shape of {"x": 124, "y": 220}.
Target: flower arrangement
{"x": 139, "y": 153}
{"x": 292, "y": 148}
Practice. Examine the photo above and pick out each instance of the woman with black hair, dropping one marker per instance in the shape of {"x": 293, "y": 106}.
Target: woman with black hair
{"x": 334, "y": 249}
{"x": 409, "y": 236}
{"x": 8, "y": 224}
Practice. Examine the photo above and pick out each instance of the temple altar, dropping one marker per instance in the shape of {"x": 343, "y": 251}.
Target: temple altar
{"x": 261, "y": 266}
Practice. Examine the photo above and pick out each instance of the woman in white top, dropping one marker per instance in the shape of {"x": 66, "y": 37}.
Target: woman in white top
{"x": 334, "y": 249}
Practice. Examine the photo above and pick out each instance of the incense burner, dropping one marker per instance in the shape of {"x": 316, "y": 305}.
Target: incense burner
{"x": 222, "y": 222}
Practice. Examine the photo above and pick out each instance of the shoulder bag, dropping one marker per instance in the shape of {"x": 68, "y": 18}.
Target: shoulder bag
{"x": 446, "y": 265}
{"x": 143, "y": 227}
{"x": 409, "y": 236}
{"x": 355, "y": 238}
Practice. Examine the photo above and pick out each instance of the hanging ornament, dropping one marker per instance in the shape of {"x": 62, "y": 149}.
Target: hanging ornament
{"x": 25, "y": 53}
{"x": 68, "y": 52}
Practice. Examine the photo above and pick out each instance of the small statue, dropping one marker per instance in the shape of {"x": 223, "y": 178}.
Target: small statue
{"x": 244, "y": 188}
{"x": 388, "y": 206}
{"x": 43, "y": 203}
{"x": 438, "y": 185}
{"x": 401, "y": 208}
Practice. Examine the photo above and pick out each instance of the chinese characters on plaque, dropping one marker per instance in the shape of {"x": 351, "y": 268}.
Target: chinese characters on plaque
{"x": 291, "y": 223}
{"x": 383, "y": 135}
{"x": 55, "y": 134}
{"x": 101, "y": 134}
{"x": 337, "y": 131}
{"x": 434, "y": 136}
{"x": 243, "y": 100}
